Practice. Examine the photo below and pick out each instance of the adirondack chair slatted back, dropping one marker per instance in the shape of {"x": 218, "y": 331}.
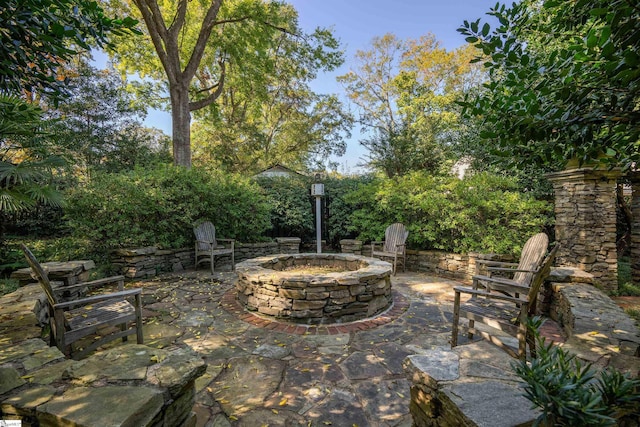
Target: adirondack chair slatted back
{"x": 533, "y": 253}
{"x": 40, "y": 275}
{"x": 205, "y": 236}
{"x": 396, "y": 234}
{"x": 539, "y": 278}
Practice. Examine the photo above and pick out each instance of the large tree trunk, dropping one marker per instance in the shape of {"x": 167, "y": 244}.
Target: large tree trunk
{"x": 181, "y": 118}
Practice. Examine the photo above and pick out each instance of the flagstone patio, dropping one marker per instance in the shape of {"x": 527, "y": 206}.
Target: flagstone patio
{"x": 265, "y": 372}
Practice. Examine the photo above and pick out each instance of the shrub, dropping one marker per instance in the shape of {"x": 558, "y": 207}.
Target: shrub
{"x": 570, "y": 393}
{"x": 291, "y": 206}
{"x": 158, "y": 207}
{"x": 483, "y": 212}
{"x": 337, "y": 190}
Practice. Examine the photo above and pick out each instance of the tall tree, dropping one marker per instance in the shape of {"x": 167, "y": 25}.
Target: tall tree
{"x": 37, "y": 38}
{"x": 278, "y": 119}
{"x": 99, "y": 125}
{"x": 405, "y": 91}
{"x": 195, "y": 43}
{"x": 564, "y": 82}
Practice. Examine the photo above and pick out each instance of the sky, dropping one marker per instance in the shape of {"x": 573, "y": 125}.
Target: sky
{"x": 356, "y": 22}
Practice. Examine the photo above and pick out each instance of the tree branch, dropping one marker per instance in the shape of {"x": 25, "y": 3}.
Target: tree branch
{"x": 196, "y": 105}
{"x": 203, "y": 37}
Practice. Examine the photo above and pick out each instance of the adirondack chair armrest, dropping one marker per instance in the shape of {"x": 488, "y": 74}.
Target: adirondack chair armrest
{"x": 490, "y": 263}
{"x": 400, "y": 247}
{"x": 377, "y": 242}
{"x": 490, "y": 295}
{"x": 499, "y": 283}
{"x": 512, "y": 270}
{"x": 229, "y": 241}
{"x": 203, "y": 242}
{"x": 97, "y": 298}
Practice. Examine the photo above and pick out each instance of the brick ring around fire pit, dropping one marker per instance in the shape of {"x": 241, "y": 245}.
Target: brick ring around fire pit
{"x": 308, "y": 288}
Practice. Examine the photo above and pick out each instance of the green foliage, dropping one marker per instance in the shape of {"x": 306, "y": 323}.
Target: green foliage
{"x": 25, "y": 164}
{"x": 564, "y": 82}
{"x": 50, "y": 249}
{"x": 337, "y": 190}
{"x": 8, "y": 285}
{"x": 571, "y": 393}
{"x": 291, "y": 206}
{"x": 99, "y": 125}
{"x": 405, "y": 92}
{"x": 482, "y": 212}
{"x": 38, "y": 35}
{"x": 250, "y": 63}
{"x": 624, "y": 277}
{"x": 158, "y": 207}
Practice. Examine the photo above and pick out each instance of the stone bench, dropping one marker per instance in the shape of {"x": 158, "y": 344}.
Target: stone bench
{"x": 69, "y": 272}
{"x": 469, "y": 385}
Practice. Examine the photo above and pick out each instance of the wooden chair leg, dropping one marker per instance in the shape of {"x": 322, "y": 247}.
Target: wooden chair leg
{"x": 138, "y": 308}
{"x": 472, "y": 324}
{"x": 456, "y": 319}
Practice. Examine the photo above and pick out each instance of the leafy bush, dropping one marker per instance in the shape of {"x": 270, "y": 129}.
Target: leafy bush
{"x": 293, "y": 212}
{"x": 483, "y": 212}
{"x": 570, "y": 393}
{"x": 158, "y": 207}
{"x": 337, "y": 190}
{"x": 291, "y": 206}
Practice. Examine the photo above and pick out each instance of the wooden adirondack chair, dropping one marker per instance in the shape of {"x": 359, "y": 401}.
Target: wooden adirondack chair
{"x": 393, "y": 245}
{"x": 207, "y": 246}
{"x": 73, "y": 320}
{"x": 503, "y": 311}
{"x": 522, "y": 273}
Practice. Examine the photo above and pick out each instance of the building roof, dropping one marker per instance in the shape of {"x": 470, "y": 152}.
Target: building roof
{"x": 277, "y": 170}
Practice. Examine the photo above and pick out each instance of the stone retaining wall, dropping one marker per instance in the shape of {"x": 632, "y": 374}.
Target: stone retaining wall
{"x": 150, "y": 261}
{"x": 446, "y": 264}
{"x": 597, "y": 329}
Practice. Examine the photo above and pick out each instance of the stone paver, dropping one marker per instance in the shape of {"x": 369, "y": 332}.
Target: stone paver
{"x": 265, "y": 372}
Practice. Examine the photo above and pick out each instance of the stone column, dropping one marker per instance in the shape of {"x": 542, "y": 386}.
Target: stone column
{"x": 635, "y": 227}
{"x": 585, "y": 211}
{"x": 351, "y": 246}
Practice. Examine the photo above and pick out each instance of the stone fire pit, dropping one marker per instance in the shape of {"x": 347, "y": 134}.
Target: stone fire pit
{"x": 315, "y": 288}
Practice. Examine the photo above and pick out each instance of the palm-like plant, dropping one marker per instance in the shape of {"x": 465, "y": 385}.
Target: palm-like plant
{"x": 25, "y": 167}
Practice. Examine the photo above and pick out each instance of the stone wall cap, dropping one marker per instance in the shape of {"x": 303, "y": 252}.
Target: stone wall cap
{"x": 135, "y": 251}
{"x": 438, "y": 365}
{"x": 256, "y": 267}
{"x": 569, "y": 275}
{"x": 288, "y": 239}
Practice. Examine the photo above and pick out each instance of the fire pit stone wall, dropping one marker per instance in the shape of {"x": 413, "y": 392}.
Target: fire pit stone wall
{"x": 315, "y": 288}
